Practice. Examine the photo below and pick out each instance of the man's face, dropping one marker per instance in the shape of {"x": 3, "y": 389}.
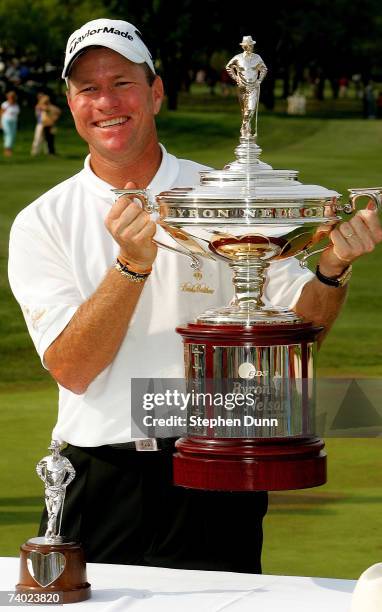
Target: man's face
{"x": 113, "y": 105}
{"x": 248, "y": 47}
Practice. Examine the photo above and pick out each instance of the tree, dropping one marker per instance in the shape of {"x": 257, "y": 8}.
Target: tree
{"x": 332, "y": 37}
{"x": 41, "y": 27}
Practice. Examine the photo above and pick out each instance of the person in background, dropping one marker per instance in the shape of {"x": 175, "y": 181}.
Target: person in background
{"x": 38, "y": 136}
{"x": 9, "y": 114}
{"x": 379, "y": 105}
{"x": 49, "y": 117}
{"x": 369, "y": 102}
{"x": 343, "y": 87}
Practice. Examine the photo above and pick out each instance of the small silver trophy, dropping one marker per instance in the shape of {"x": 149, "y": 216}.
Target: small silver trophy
{"x": 52, "y": 564}
{"x": 57, "y": 473}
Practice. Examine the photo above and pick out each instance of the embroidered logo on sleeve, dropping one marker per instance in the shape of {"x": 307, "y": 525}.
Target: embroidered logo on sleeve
{"x": 33, "y": 315}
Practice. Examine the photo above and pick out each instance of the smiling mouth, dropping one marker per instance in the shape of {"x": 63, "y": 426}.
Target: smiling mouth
{"x": 111, "y": 122}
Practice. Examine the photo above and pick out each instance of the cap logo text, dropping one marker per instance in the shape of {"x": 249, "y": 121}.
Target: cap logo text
{"x": 104, "y": 30}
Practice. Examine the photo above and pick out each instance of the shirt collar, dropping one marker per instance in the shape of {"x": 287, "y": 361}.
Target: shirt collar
{"x": 162, "y": 181}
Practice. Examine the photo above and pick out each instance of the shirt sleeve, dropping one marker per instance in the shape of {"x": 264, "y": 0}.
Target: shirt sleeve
{"x": 285, "y": 282}
{"x": 41, "y": 279}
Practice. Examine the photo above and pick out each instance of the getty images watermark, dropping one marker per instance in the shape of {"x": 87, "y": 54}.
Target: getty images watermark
{"x": 227, "y": 408}
{"x": 188, "y": 402}
{"x": 256, "y": 408}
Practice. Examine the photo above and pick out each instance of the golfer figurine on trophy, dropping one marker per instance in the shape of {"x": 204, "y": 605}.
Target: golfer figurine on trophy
{"x": 56, "y": 472}
{"x": 248, "y": 71}
{"x": 53, "y": 565}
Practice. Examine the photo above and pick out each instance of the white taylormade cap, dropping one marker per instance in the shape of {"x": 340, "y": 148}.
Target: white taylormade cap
{"x": 120, "y": 36}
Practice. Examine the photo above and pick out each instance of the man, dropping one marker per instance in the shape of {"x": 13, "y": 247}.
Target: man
{"x": 101, "y": 304}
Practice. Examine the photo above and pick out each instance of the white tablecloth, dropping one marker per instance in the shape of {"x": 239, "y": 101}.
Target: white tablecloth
{"x": 116, "y": 588}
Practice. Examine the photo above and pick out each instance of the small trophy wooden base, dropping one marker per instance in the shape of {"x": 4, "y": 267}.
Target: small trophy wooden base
{"x": 53, "y": 568}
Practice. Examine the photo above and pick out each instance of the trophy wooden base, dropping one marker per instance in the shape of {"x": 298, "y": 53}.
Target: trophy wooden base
{"x": 292, "y": 457}
{"x": 53, "y": 568}
{"x": 249, "y": 464}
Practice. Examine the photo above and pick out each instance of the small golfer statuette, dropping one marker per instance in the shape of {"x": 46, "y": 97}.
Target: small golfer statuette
{"x": 52, "y": 564}
{"x": 56, "y": 472}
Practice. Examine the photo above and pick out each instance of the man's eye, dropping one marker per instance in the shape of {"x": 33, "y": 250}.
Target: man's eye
{"x": 90, "y": 88}
{"x": 121, "y": 83}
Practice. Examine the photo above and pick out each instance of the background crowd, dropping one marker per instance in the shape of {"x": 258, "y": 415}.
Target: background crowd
{"x": 316, "y": 50}
{"x": 25, "y": 84}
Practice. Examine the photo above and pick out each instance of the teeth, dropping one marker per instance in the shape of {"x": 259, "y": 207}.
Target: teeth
{"x": 110, "y": 122}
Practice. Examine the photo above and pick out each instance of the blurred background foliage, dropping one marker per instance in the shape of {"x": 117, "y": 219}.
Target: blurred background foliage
{"x": 330, "y": 38}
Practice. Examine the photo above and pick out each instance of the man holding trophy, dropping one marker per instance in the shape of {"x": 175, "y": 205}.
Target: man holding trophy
{"x": 101, "y": 303}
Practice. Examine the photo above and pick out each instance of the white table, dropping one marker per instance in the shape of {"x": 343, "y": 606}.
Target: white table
{"x": 116, "y": 588}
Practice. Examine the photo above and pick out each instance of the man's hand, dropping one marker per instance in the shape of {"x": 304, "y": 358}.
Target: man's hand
{"x": 132, "y": 228}
{"x": 320, "y": 303}
{"x": 350, "y": 240}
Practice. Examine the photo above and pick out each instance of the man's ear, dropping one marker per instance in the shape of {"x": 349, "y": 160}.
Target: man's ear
{"x": 68, "y": 98}
{"x": 157, "y": 91}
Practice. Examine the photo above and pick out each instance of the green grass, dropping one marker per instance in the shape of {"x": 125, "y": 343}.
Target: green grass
{"x": 333, "y": 530}
{"x": 26, "y": 419}
{"x": 330, "y": 531}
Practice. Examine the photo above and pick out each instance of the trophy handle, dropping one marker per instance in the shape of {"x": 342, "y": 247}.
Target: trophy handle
{"x": 374, "y": 193}
{"x": 143, "y": 195}
{"x": 150, "y": 206}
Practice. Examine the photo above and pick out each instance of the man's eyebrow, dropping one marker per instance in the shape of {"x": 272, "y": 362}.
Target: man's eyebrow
{"x": 125, "y": 77}
{"x": 80, "y": 80}
{"x": 86, "y": 79}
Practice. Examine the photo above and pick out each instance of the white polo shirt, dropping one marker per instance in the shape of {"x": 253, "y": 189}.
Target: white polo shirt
{"x": 60, "y": 250}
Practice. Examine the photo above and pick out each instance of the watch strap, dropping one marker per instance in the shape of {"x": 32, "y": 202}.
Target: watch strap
{"x": 340, "y": 281}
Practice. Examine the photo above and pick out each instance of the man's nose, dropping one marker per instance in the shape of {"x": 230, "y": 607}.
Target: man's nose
{"x": 107, "y": 101}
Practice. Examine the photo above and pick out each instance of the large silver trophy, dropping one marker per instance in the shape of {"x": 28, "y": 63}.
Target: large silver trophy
{"x": 250, "y": 215}
{"x": 53, "y": 566}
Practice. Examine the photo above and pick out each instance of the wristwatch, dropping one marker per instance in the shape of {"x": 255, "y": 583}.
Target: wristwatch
{"x": 340, "y": 281}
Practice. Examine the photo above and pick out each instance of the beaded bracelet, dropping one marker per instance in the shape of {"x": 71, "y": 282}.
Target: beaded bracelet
{"x": 135, "y": 277}
{"x": 131, "y": 267}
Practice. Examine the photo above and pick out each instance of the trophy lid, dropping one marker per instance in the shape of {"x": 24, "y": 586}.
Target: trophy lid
{"x": 244, "y": 193}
